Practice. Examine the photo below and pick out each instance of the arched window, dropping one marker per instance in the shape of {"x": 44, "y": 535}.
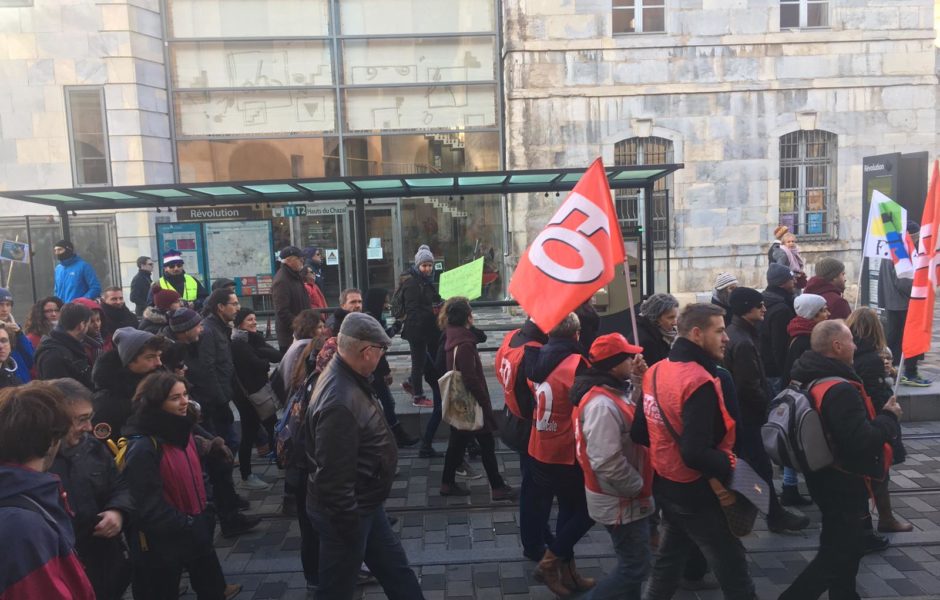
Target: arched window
{"x": 807, "y": 181}
{"x": 645, "y": 151}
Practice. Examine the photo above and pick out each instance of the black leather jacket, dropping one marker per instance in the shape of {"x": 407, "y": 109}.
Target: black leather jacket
{"x": 350, "y": 448}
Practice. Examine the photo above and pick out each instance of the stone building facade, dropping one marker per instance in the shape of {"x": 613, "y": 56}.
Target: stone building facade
{"x": 771, "y": 121}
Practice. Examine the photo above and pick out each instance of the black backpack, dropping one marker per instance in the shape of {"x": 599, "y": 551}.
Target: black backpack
{"x": 398, "y": 299}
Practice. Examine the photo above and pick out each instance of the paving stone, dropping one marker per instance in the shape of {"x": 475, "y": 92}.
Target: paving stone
{"x": 486, "y": 579}
{"x": 904, "y": 563}
{"x": 271, "y": 590}
{"x": 432, "y": 582}
{"x": 514, "y": 586}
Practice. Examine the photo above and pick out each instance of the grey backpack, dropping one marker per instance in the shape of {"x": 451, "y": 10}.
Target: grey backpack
{"x": 793, "y": 435}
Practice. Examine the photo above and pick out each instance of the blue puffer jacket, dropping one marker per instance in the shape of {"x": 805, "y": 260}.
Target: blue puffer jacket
{"x": 75, "y": 278}
{"x": 23, "y": 355}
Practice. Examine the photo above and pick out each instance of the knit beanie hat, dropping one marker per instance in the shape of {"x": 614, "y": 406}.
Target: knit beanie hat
{"x": 724, "y": 280}
{"x": 829, "y": 268}
{"x": 423, "y": 255}
{"x": 781, "y": 231}
{"x": 89, "y": 304}
{"x": 808, "y": 305}
{"x": 778, "y": 274}
{"x": 65, "y": 244}
{"x": 743, "y": 299}
{"x": 163, "y": 299}
{"x": 172, "y": 256}
{"x": 241, "y": 315}
{"x": 129, "y": 341}
{"x": 5, "y": 295}
{"x": 184, "y": 319}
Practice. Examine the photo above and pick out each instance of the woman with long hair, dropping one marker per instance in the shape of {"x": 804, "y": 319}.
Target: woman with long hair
{"x": 173, "y": 530}
{"x": 252, "y": 357}
{"x": 870, "y": 342}
{"x": 307, "y": 325}
{"x": 43, "y": 316}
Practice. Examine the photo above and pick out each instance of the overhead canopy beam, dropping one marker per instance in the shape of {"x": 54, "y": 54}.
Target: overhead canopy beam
{"x": 335, "y": 188}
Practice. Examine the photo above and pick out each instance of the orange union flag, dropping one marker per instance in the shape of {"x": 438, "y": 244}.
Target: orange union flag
{"x": 575, "y": 254}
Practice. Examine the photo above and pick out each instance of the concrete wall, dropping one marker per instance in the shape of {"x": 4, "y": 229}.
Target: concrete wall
{"x": 723, "y": 84}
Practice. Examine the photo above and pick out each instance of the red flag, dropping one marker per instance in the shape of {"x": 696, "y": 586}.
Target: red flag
{"x": 919, "y": 325}
{"x": 575, "y": 254}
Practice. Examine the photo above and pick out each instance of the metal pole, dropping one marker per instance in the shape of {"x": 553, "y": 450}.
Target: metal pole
{"x": 359, "y": 243}
{"x": 626, "y": 272}
{"x": 669, "y": 231}
{"x": 648, "y": 220}
{"x": 66, "y": 228}
{"x": 32, "y": 270}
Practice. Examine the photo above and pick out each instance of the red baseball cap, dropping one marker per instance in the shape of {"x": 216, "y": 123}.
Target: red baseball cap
{"x": 610, "y": 345}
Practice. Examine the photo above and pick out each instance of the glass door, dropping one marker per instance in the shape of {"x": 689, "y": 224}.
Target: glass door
{"x": 383, "y": 245}
{"x": 324, "y": 228}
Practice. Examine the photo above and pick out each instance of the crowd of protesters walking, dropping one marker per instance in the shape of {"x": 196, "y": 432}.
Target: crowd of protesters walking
{"x": 118, "y": 438}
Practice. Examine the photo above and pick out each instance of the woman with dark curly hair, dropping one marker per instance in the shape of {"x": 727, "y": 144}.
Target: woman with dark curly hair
{"x": 43, "y": 316}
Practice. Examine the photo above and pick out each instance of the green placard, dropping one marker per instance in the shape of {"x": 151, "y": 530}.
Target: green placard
{"x": 465, "y": 280}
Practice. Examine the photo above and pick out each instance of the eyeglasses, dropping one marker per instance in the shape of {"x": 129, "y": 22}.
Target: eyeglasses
{"x": 4, "y": 341}
{"x": 384, "y": 349}
{"x": 236, "y": 303}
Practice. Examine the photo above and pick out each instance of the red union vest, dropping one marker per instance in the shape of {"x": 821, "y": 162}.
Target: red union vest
{"x": 675, "y": 383}
{"x": 627, "y": 409}
{"x": 818, "y": 392}
{"x": 552, "y": 439}
{"x": 508, "y": 361}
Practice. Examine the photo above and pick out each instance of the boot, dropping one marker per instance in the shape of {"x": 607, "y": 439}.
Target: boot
{"x": 887, "y": 522}
{"x": 548, "y": 572}
{"x": 791, "y": 497}
{"x": 573, "y": 580}
{"x": 403, "y": 439}
{"x": 873, "y": 542}
{"x": 780, "y": 519}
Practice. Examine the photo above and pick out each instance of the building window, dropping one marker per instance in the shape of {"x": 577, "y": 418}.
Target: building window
{"x": 645, "y": 151}
{"x": 801, "y": 14}
{"x": 88, "y": 135}
{"x": 807, "y": 181}
{"x": 639, "y": 16}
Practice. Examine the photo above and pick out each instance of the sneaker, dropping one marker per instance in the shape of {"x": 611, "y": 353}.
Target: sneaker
{"x": 874, "y": 543}
{"x": 464, "y": 471}
{"x": 242, "y": 503}
{"x": 791, "y": 497}
{"x": 408, "y": 388}
{"x": 365, "y": 578}
{"x": 915, "y": 381}
{"x": 504, "y": 493}
{"x": 708, "y": 582}
{"x": 428, "y": 452}
{"x": 785, "y": 520}
{"x": 422, "y": 402}
{"x": 453, "y": 489}
{"x": 253, "y": 482}
{"x": 239, "y": 524}
{"x": 231, "y": 590}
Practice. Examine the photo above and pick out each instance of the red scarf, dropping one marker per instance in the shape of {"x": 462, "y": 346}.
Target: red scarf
{"x": 800, "y": 326}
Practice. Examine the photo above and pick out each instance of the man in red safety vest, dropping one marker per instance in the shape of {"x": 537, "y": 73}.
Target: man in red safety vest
{"x": 684, "y": 421}
{"x": 535, "y": 502}
{"x": 860, "y": 438}
{"x": 618, "y": 476}
{"x": 551, "y": 372}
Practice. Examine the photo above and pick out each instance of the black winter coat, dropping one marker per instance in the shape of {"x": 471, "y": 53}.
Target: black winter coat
{"x": 153, "y": 320}
{"x": 140, "y": 288}
{"x": 798, "y": 345}
{"x": 871, "y": 369}
{"x": 655, "y": 348}
{"x": 856, "y": 439}
{"x": 61, "y": 355}
{"x": 215, "y": 353}
{"x": 774, "y": 338}
{"x": 116, "y": 386}
{"x": 8, "y": 377}
{"x": 743, "y": 360}
{"x": 419, "y": 298}
{"x": 290, "y": 297}
{"x": 93, "y": 485}
{"x": 115, "y": 318}
{"x": 252, "y": 357}
{"x": 351, "y": 451}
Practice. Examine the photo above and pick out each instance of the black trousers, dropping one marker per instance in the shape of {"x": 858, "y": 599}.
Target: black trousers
{"x": 309, "y": 539}
{"x": 843, "y": 501}
{"x": 163, "y": 582}
{"x": 895, "y": 334}
{"x": 455, "y": 451}
{"x": 250, "y": 425}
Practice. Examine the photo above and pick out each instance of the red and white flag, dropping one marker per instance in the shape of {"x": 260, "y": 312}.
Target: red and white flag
{"x": 574, "y": 256}
{"x": 918, "y": 328}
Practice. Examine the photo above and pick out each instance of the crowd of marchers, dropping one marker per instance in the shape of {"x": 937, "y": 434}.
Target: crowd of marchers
{"x": 119, "y": 439}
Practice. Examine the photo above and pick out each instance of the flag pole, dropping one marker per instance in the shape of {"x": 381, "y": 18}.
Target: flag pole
{"x": 626, "y": 273}
{"x": 861, "y": 267}
{"x": 897, "y": 379}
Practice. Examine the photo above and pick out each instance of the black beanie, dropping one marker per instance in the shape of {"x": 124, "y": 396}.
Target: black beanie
{"x": 743, "y": 299}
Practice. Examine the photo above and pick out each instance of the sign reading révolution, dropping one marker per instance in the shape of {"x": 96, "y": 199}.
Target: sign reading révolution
{"x": 217, "y": 213}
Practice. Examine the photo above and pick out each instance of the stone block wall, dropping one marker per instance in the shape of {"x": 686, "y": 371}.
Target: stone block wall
{"x": 723, "y": 84}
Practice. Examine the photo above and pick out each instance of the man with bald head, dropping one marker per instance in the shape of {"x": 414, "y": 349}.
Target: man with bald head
{"x": 860, "y": 442}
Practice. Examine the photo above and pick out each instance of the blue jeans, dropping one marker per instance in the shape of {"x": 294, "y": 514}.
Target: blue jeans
{"x": 341, "y": 558}
{"x": 632, "y": 546}
{"x": 566, "y": 482}
{"x": 535, "y": 507}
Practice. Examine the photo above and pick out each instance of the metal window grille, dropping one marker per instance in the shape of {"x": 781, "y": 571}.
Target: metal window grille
{"x": 807, "y": 182}
{"x": 804, "y": 13}
{"x": 638, "y": 16}
{"x": 629, "y": 203}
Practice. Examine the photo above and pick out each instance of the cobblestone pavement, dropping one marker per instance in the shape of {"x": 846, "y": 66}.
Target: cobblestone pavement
{"x": 466, "y": 548}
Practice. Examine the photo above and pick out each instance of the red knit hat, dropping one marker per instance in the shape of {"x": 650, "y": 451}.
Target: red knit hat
{"x": 89, "y": 304}
{"x": 162, "y": 299}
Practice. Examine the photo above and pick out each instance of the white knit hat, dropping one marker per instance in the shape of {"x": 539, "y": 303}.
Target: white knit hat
{"x": 808, "y": 305}
{"x": 724, "y": 280}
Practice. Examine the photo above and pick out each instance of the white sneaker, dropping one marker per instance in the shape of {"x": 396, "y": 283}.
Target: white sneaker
{"x": 253, "y": 482}
{"x": 464, "y": 471}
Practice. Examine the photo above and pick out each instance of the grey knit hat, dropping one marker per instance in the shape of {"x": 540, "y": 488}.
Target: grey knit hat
{"x": 423, "y": 255}
{"x": 829, "y": 268}
{"x": 183, "y": 319}
{"x": 778, "y": 274}
{"x": 129, "y": 341}
{"x": 808, "y": 305}
{"x": 724, "y": 280}
{"x": 657, "y": 304}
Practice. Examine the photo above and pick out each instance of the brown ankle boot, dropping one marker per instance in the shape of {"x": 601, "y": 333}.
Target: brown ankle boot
{"x": 574, "y": 580}
{"x": 549, "y": 572}
{"x": 887, "y": 522}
